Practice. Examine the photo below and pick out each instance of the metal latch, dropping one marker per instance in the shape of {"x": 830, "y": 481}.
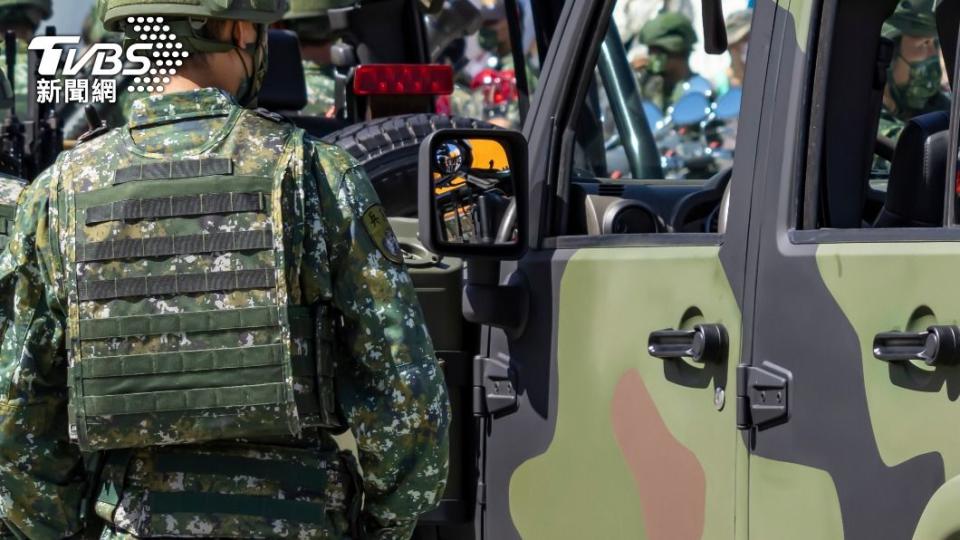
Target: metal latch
{"x": 494, "y": 393}
{"x": 762, "y": 395}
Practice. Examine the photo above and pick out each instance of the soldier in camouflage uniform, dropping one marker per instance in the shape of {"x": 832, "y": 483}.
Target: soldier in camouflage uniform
{"x": 10, "y": 190}
{"x": 913, "y": 79}
{"x": 23, "y": 18}
{"x": 738, "y": 37}
{"x": 309, "y": 19}
{"x": 669, "y": 38}
{"x": 192, "y": 291}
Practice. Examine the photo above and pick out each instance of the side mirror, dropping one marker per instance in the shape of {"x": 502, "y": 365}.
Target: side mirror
{"x": 714, "y": 28}
{"x": 473, "y": 193}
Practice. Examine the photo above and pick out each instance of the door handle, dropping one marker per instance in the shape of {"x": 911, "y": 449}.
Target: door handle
{"x": 937, "y": 346}
{"x": 705, "y": 343}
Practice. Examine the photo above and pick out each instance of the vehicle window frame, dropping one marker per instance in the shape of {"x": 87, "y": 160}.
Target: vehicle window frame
{"x": 804, "y": 227}
{"x": 585, "y": 77}
{"x": 952, "y": 195}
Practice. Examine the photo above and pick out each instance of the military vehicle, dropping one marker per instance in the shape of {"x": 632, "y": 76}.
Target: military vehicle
{"x": 773, "y": 352}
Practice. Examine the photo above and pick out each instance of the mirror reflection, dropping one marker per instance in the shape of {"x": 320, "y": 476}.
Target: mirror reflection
{"x": 473, "y": 185}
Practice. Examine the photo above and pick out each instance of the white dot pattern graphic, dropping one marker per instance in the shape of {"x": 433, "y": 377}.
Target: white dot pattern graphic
{"x": 165, "y": 46}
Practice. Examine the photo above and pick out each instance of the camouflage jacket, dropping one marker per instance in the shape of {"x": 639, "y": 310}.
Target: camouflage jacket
{"x": 390, "y": 387}
{"x": 21, "y": 76}
{"x": 892, "y": 124}
{"x": 320, "y": 89}
{"x": 653, "y": 89}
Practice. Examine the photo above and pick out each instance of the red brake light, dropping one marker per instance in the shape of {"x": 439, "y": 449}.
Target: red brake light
{"x": 403, "y": 80}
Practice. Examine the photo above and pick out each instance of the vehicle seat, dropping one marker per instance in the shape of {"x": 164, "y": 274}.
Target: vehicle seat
{"x": 285, "y": 87}
{"x": 916, "y": 188}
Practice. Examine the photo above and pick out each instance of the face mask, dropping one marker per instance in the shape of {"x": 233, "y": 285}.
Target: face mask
{"x": 250, "y": 87}
{"x": 488, "y": 39}
{"x": 658, "y": 63}
{"x": 923, "y": 84}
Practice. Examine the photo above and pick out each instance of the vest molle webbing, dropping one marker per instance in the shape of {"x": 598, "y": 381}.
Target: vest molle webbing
{"x": 181, "y": 329}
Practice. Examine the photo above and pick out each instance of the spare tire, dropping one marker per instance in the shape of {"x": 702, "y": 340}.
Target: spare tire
{"x": 388, "y": 149}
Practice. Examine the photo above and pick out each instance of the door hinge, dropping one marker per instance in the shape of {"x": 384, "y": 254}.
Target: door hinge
{"x": 762, "y": 395}
{"x": 494, "y": 393}
{"x": 481, "y": 493}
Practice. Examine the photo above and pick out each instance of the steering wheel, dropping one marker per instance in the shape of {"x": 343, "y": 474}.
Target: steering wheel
{"x": 711, "y": 194}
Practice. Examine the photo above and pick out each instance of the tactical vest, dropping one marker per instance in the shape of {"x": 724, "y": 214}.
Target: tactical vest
{"x": 10, "y": 190}
{"x": 181, "y": 325}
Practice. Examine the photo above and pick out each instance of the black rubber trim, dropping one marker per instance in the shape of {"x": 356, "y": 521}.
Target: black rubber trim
{"x": 874, "y": 236}
{"x": 633, "y": 240}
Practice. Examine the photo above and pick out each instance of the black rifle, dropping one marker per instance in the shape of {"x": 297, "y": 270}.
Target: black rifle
{"x": 30, "y": 145}
{"x": 44, "y": 130}
{"x": 11, "y": 139}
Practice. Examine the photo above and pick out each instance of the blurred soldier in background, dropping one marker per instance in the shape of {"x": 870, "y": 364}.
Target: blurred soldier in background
{"x": 23, "y": 18}
{"x": 669, "y": 38}
{"x": 10, "y": 190}
{"x": 913, "y": 79}
{"x": 311, "y": 21}
{"x": 738, "y": 36}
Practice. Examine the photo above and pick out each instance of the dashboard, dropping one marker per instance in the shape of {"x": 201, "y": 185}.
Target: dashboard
{"x": 604, "y": 207}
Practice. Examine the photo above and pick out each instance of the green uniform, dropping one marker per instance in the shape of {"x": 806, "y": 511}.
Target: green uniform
{"x": 21, "y": 80}
{"x": 22, "y": 14}
{"x": 921, "y": 94}
{"x": 10, "y": 191}
{"x": 673, "y": 33}
{"x": 892, "y": 124}
{"x": 653, "y": 88}
{"x": 320, "y": 88}
{"x": 337, "y": 252}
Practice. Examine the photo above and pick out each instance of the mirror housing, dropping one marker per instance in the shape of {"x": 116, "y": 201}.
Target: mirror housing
{"x": 714, "y": 27}
{"x": 431, "y": 235}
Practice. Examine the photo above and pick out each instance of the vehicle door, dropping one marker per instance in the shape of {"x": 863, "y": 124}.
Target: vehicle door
{"x": 853, "y": 382}
{"x": 598, "y": 423}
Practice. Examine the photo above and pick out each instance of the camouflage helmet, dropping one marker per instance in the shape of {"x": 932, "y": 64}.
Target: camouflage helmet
{"x": 670, "y": 31}
{"x": 28, "y": 12}
{"x": 114, "y": 12}
{"x": 913, "y": 18}
{"x": 738, "y": 25}
{"x": 94, "y": 32}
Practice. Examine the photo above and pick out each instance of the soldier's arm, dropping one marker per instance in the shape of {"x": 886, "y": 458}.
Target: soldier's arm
{"x": 389, "y": 385}
{"x": 41, "y": 480}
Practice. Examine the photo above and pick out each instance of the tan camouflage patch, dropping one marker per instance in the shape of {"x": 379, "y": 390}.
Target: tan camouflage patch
{"x": 378, "y": 227}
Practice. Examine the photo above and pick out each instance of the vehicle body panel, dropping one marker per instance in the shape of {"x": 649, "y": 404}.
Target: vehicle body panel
{"x": 640, "y": 449}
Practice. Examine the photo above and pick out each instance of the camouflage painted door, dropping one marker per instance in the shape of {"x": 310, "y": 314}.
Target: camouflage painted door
{"x": 848, "y": 258}
{"x": 609, "y": 441}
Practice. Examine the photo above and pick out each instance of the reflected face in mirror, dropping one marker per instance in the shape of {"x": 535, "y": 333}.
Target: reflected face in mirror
{"x": 472, "y": 187}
